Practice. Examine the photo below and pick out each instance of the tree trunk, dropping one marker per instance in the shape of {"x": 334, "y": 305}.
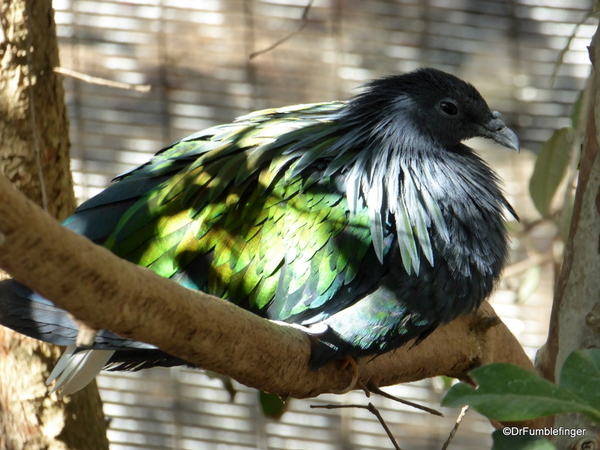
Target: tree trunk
{"x": 575, "y": 321}
{"x": 34, "y": 156}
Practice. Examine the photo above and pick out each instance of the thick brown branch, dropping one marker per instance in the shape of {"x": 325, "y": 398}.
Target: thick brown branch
{"x": 107, "y": 292}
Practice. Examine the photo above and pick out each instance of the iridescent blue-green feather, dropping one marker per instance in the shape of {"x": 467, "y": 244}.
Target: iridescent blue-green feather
{"x": 254, "y": 207}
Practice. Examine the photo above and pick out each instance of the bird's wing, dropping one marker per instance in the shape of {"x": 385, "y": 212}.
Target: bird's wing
{"x": 245, "y": 212}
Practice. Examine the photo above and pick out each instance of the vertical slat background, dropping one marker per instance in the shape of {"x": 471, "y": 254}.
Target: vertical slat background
{"x": 195, "y": 55}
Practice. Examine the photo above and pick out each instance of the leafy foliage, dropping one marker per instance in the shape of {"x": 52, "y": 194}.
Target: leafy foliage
{"x": 510, "y": 393}
{"x": 550, "y": 168}
{"x": 553, "y": 160}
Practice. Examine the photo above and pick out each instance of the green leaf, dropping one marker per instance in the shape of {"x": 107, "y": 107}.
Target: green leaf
{"x": 550, "y": 168}
{"x": 581, "y": 376}
{"x": 516, "y": 442}
{"x": 446, "y": 381}
{"x": 272, "y": 405}
{"x": 510, "y": 393}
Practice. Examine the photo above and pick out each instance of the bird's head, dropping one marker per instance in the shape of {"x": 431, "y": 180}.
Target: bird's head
{"x": 438, "y": 105}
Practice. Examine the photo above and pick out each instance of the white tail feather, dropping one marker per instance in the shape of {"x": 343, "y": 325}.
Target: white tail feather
{"x": 76, "y": 369}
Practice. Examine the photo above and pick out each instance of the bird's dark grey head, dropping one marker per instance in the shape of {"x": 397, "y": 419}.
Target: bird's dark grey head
{"x": 441, "y": 106}
{"x": 411, "y": 169}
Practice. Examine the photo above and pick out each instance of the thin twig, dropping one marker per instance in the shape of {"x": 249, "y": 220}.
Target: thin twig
{"x": 459, "y": 419}
{"x": 572, "y": 171}
{"x": 373, "y": 410}
{"x": 303, "y": 23}
{"x": 378, "y": 391}
{"x": 537, "y": 259}
{"x": 565, "y": 49}
{"x": 102, "y": 81}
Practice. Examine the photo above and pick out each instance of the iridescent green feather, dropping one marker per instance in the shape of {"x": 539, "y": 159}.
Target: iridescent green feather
{"x": 250, "y": 205}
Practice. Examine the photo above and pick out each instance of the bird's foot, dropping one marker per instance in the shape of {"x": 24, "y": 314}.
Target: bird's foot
{"x": 349, "y": 361}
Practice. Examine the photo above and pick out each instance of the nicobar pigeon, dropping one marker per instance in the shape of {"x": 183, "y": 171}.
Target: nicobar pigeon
{"x": 367, "y": 221}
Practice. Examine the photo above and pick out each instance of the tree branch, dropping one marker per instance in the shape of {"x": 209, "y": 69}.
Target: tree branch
{"x": 102, "y": 81}
{"x": 106, "y": 292}
{"x": 577, "y": 292}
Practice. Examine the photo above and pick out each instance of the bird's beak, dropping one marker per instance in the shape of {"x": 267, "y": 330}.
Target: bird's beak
{"x": 500, "y": 133}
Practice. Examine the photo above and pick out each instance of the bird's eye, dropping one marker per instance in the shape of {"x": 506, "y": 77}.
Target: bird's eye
{"x": 449, "y": 108}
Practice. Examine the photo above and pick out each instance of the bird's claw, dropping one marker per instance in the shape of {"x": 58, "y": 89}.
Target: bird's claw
{"x": 349, "y": 361}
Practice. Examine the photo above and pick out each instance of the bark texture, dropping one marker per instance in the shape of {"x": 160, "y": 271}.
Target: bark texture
{"x": 575, "y": 321}
{"x": 106, "y": 292}
{"x": 34, "y": 156}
